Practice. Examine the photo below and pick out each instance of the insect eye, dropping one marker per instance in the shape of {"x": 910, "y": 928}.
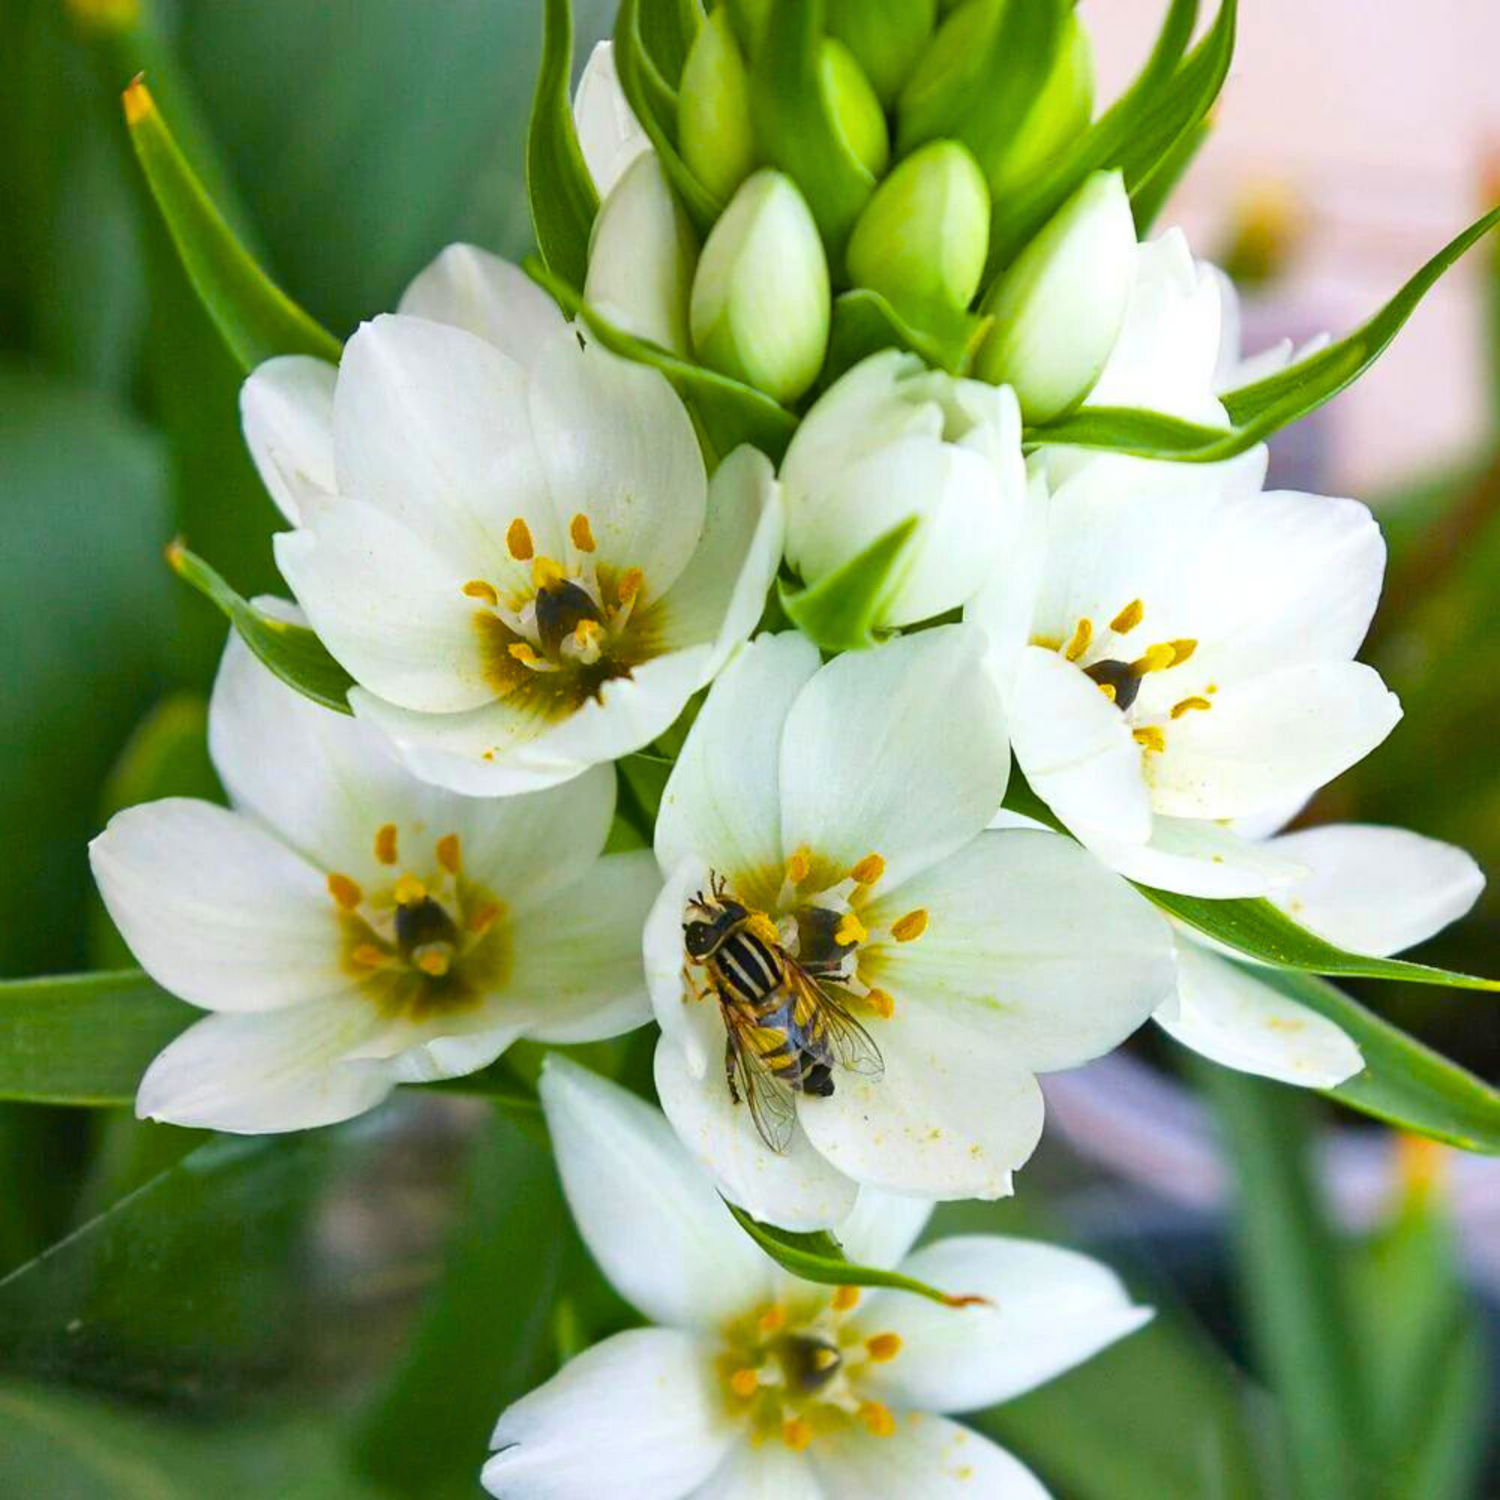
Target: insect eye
{"x": 698, "y": 937}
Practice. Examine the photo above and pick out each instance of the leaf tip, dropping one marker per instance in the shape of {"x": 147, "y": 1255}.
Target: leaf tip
{"x": 137, "y": 100}
{"x": 970, "y": 1300}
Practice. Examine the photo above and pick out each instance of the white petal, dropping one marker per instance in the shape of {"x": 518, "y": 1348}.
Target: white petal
{"x": 641, "y": 257}
{"x": 650, "y": 1217}
{"x": 440, "y": 1049}
{"x": 768, "y": 1471}
{"x": 683, "y": 1017}
{"x": 389, "y": 609}
{"x": 1376, "y": 890}
{"x": 1076, "y": 750}
{"x": 883, "y": 1227}
{"x": 1200, "y": 859}
{"x": 722, "y": 801}
{"x": 1033, "y": 951}
{"x": 286, "y": 409}
{"x": 609, "y": 135}
{"x": 1005, "y": 606}
{"x": 1270, "y": 738}
{"x": 642, "y": 1407}
{"x": 618, "y": 446}
{"x": 215, "y": 909}
{"x": 926, "y": 1456}
{"x": 947, "y": 1120}
{"x": 870, "y": 762}
{"x": 796, "y": 1189}
{"x": 471, "y": 289}
{"x": 282, "y": 1070}
{"x": 1230, "y": 1016}
{"x": 1049, "y": 1309}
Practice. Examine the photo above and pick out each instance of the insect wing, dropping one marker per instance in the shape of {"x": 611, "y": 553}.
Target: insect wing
{"x": 829, "y": 1031}
{"x": 768, "y": 1097}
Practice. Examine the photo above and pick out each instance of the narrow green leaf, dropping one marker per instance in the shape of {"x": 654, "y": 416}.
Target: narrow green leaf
{"x": 1144, "y": 434}
{"x": 257, "y": 319}
{"x": 864, "y": 323}
{"x": 563, "y": 200}
{"x": 1252, "y": 925}
{"x": 840, "y": 612}
{"x": 1148, "y": 200}
{"x": 819, "y": 1257}
{"x": 731, "y": 413}
{"x": 291, "y": 651}
{"x": 668, "y": 28}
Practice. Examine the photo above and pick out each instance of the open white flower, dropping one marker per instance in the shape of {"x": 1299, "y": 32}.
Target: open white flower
{"x": 893, "y": 439}
{"x": 928, "y": 969}
{"x": 504, "y": 535}
{"x": 353, "y": 928}
{"x": 1174, "y": 651}
{"x": 752, "y": 1383}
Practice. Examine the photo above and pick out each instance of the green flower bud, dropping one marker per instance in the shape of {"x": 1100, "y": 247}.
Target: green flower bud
{"x": 761, "y": 302}
{"x": 855, "y": 107}
{"x": 946, "y": 72}
{"x": 1059, "y": 308}
{"x": 885, "y": 36}
{"x": 715, "y": 132}
{"x": 923, "y": 236}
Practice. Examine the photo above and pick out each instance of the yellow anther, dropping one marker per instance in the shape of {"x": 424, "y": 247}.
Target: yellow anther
{"x": 632, "y": 581}
{"x": 588, "y": 635}
{"x": 799, "y": 866}
{"x": 881, "y": 1003}
{"x": 1188, "y": 705}
{"x": 877, "y": 1418}
{"x": 1108, "y": 689}
{"x": 345, "y": 892}
{"x": 368, "y": 956}
{"x": 1083, "y": 633}
{"x": 518, "y": 540}
{"x": 1156, "y": 659}
{"x": 845, "y": 1298}
{"x": 911, "y": 926}
{"x": 1181, "y": 650}
{"x": 850, "y": 930}
{"x": 434, "y": 961}
{"x": 523, "y": 653}
{"x": 883, "y": 1347}
{"x": 868, "y": 870}
{"x": 450, "y": 853}
{"x": 772, "y": 1319}
{"x": 825, "y": 1359}
{"x": 385, "y": 844}
{"x": 745, "y": 1383}
{"x": 477, "y": 588}
{"x": 1128, "y": 618}
{"x": 546, "y": 571}
{"x": 581, "y": 533}
{"x": 797, "y": 1434}
{"x": 1150, "y": 738}
{"x": 410, "y": 891}
{"x": 482, "y": 918}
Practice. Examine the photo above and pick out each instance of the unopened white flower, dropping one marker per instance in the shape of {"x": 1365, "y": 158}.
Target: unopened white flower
{"x": 752, "y": 1383}
{"x": 609, "y": 135}
{"x": 893, "y": 439}
{"x": 505, "y": 534}
{"x": 1175, "y": 651}
{"x": 353, "y": 928}
{"x": 932, "y": 969}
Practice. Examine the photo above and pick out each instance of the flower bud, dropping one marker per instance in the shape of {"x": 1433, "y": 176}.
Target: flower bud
{"x": 923, "y": 236}
{"x": 715, "y": 132}
{"x": 1059, "y": 307}
{"x": 885, "y": 36}
{"x": 945, "y": 74}
{"x": 853, "y": 105}
{"x": 761, "y": 302}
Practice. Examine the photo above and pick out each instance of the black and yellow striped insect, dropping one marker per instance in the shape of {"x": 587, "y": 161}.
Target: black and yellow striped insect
{"x": 785, "y": 1032}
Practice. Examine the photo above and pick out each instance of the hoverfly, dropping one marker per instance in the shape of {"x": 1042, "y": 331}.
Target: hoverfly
{"x": 784, "y": 1031}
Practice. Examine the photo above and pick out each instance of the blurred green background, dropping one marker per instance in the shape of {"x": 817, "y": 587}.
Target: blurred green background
{"x": 344, "y": 1313}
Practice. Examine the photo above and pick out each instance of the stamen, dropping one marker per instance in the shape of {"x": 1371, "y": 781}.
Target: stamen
{"x": 881, "y": 1003}
{"x": 1128, "y": 618}
{"x": 799, "y": 866}
{"x": 1156, "y": 659}
{"x": 910, "y": 927}
{"x": 482, "y": 918}
{"x": 632, "y": 581}
{"x": 545, "y": 572}
{"x": 368, "y": 956}
{"x": 825, "y": 1359}
{"x": 845, "y": 1298}
{"x": 772, "y": 1319}
{"x": 1188, "y": 705}
{"x": 528, "y": 657}
{"x": 518, "y": 540}
{"x": 883, "y": 1347}
{"x": 797, "y": 1434}
{"x": 450, "y": 853}
{"x": 850, "y": 930}
{"x": 1181, "y": 650}
{"x": 745, "y": 1383}
{"x": 410, "y": 891}
{"x": 1151, "y": 738}
{"x": 588, "y": 641}
{"x": 877, "y": 1417}
{"x": 1083, "y": 633}
{"x": 477, "y": 588}
{"x": 580, "y": 533}
{"x": 345, "y": 892}
{"x": 435, "y": 961}
{"x": 385, "y": 844}
{"x": 1108, "y": 689}
{"x": 868, "y": 870}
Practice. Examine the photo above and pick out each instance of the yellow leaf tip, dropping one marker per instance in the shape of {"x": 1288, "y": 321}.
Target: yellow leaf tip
{"x": 137, "y": 100}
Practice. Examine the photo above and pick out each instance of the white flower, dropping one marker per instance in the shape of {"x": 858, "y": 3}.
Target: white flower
{"x": 352, "y": 928}
{"x": 755, "y": 1384}
{"x": 844, "y": 807}
{"x": 1175, "y": 650}
{"x": 892, "y": 439}
{"x": 505, "y": 536}
{"x": 609, "y": 135}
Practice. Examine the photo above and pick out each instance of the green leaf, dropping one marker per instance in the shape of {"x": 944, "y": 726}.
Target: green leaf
{"x": 668, "y": 28}
{"x": 731, "y": 413}
{"x": 257, "y": 319}
{"x": 864, "y": 323}
{"x": 563, "y": 199}
{"x": 1152, "y": 197}
{"x": 83, "y": 1038}
{"x": 840, "y": 612}
{"x": 819, "y": 1257}
{"x": 291, "y": 651}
